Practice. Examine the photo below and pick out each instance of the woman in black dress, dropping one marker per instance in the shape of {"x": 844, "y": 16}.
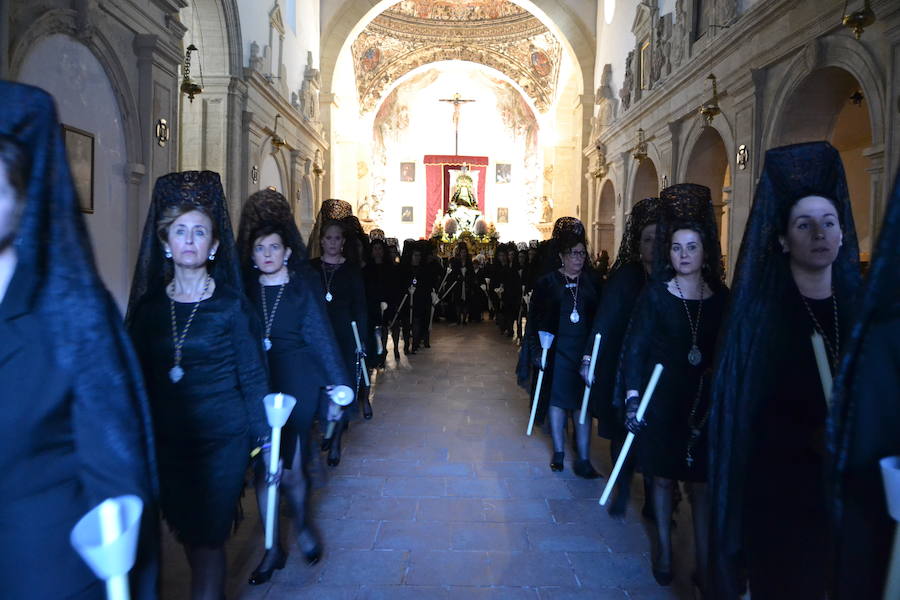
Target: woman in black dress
{"x": 75, "y": 426}
{"x": 797, "y": 272}
{"x": 296, "y": 331}
{"x": 380, "y": 275}
{"x": 675, "y": 323}
{"x": 202, "y": 355}
{"x": 629, "y": 274}
{"x": 561, "y": 304}
{"x": 865, "y": 422}
{"x": 342, "y": 288}
{"x": 462, "y": 280}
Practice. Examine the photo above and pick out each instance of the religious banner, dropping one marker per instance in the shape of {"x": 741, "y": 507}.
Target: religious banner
{"x": 438, "y": 179}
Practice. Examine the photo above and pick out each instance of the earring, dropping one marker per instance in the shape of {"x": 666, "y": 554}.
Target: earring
{"x": 168, "y": 253}
{"x": 255, "y": 266}
{"x": 212, "y": 256}
{"x": 285, "y": 262}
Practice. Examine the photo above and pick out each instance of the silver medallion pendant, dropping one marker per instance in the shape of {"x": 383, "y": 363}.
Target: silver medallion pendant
{"x": 574, "y": 317}
{"x": 328, "y": 297}
{"x": 267, "y": 344}
{"x": 176, "y": 373}
{"x": 694, "y": 356}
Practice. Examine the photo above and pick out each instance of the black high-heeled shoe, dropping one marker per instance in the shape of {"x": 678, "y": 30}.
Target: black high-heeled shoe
{"x": 584, "y": 469}
{"x": 261, "y": 576}
{"x": 314, "y": 554}
{"x": 367, "y": 411}
{"x": 663, "y": 577}
{"x": 556, "y": 463}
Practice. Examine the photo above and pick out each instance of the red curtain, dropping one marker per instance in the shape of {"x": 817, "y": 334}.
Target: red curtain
{"x": 437, "y": 182}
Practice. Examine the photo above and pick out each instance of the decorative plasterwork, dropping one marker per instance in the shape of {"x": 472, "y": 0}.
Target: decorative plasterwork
{"x": 514, "y": 42}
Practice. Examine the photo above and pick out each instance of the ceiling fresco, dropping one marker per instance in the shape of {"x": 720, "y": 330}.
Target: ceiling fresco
{"x": 495, "y": 33}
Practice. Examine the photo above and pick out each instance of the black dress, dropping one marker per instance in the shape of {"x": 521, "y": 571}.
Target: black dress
{"x": 207, "y": 423}
{"x": 348, "y": 303}
{"x": 660, "y": 333}
{"x": 620, "y": 294}
{"x": 551, "y": 308}
{"x": 301, "y": 335}
{"x": 786, "y": 523}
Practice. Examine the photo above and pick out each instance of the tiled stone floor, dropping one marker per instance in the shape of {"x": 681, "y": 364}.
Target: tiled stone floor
{"x": 443, "y": 496}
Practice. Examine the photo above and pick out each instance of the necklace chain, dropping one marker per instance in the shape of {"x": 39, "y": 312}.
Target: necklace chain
{"x": 328, "y": 274}
{"x": 178, "y": 340}
{"x": 270, "y": 318}
{"x": 695, "y": 326}
{"x": 833, "y": 350}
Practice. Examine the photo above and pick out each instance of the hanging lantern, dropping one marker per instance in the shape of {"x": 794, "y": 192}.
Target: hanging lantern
{"x": 859, "y": 20}
{"x": 640, "y": 150}
{"x": 188, "y": 85}
{"x": 710, "y": 108}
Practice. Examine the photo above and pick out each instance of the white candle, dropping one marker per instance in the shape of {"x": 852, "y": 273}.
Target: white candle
{"x": 818, "y": 344}
{"x": 110, "y": 531}
{"x": 587, "y": 387}
{"x": 359, "y": 349}
{"x": 629, "y": 439}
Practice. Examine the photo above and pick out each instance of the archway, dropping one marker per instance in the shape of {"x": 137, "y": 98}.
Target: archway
{"x": 646, "y": 182}
{"x": 707, "y": 164}
{"x": 829, "y": 105}
{"x": 270, "y": 174}
{"x": 350, "y": 170}
{"x": 208, "y": 135}
{"x": 87, "y": 102}
{"x": 606, "y": 210}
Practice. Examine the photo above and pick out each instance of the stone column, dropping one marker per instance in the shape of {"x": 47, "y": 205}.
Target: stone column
{"x": 158, "y": 63}
{"x": 877, "y": 195}
{"x": 4, "y": 39}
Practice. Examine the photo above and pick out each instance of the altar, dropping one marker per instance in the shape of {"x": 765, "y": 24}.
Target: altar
{"x": 441, "y": 172}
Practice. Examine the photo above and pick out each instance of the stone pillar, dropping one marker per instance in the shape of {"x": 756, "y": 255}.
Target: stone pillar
{"x": 877, "y": 196}
{"x": 158, "y": 65}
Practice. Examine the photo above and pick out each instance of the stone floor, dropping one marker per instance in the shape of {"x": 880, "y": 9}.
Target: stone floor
{"x": 442, "y": 495}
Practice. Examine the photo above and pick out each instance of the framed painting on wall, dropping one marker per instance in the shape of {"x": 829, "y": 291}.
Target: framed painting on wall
{"x": 80, "y": 152}
{"x": 504, "y": 173}
{"x": 407, "y": 172}
{"x": 503, "y": 215}
{"x": 406, "y": 214}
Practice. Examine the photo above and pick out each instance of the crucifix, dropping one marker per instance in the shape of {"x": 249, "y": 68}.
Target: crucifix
{"x": 456, "y": 100}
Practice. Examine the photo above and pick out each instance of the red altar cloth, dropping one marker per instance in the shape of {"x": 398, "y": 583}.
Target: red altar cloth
{"x": 437, "y": 182}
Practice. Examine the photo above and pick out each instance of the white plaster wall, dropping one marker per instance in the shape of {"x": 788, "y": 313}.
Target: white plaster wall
{"x": 85, "y": 99}
{"x": 614, "y": 42}
{"x": 270, "y": 175}
{"x": 254, "y": 20}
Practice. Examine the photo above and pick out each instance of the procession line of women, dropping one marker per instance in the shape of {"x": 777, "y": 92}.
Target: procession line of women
{"x": 740, "y": 414}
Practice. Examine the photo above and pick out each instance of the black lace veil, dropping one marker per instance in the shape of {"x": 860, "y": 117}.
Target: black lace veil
{"x": 153, "y": 270}
{"x": 642, "y": 214}
{"x": 685, "y": 203}
{"x": 881, "y": 297}
{"x": 110, "y": 414}
{"x": 744, "y": 359}
{"x": 269, "y": 207}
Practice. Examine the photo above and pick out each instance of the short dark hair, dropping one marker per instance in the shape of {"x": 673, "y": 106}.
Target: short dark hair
{"x": 17, "y": 163}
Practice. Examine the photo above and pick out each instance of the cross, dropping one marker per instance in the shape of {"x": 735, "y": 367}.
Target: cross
{"x": 456, "y": 100}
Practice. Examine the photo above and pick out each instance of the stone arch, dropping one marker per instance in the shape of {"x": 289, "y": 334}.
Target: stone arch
{"x": 707, "y": 162}
{"x": 209, "y": 131}
{"x": 606, "y": 218}
{"x": 844, "y": 53}
{"x": 273, "y": 168}
{"x": 815, "y": 104}
{"x": 58, "y": 21}
{"x": 554, "y": 13}
{"x": 644, "y": 181}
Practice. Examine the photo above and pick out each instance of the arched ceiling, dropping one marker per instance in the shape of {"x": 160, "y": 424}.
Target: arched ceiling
{"x": 495, "y": 33}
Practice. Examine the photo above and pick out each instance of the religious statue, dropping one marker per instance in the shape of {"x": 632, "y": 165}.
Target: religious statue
{"x": 547, "y": 212}
{"x": 627, "y": 82}
{"x": 464, "y": 191}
